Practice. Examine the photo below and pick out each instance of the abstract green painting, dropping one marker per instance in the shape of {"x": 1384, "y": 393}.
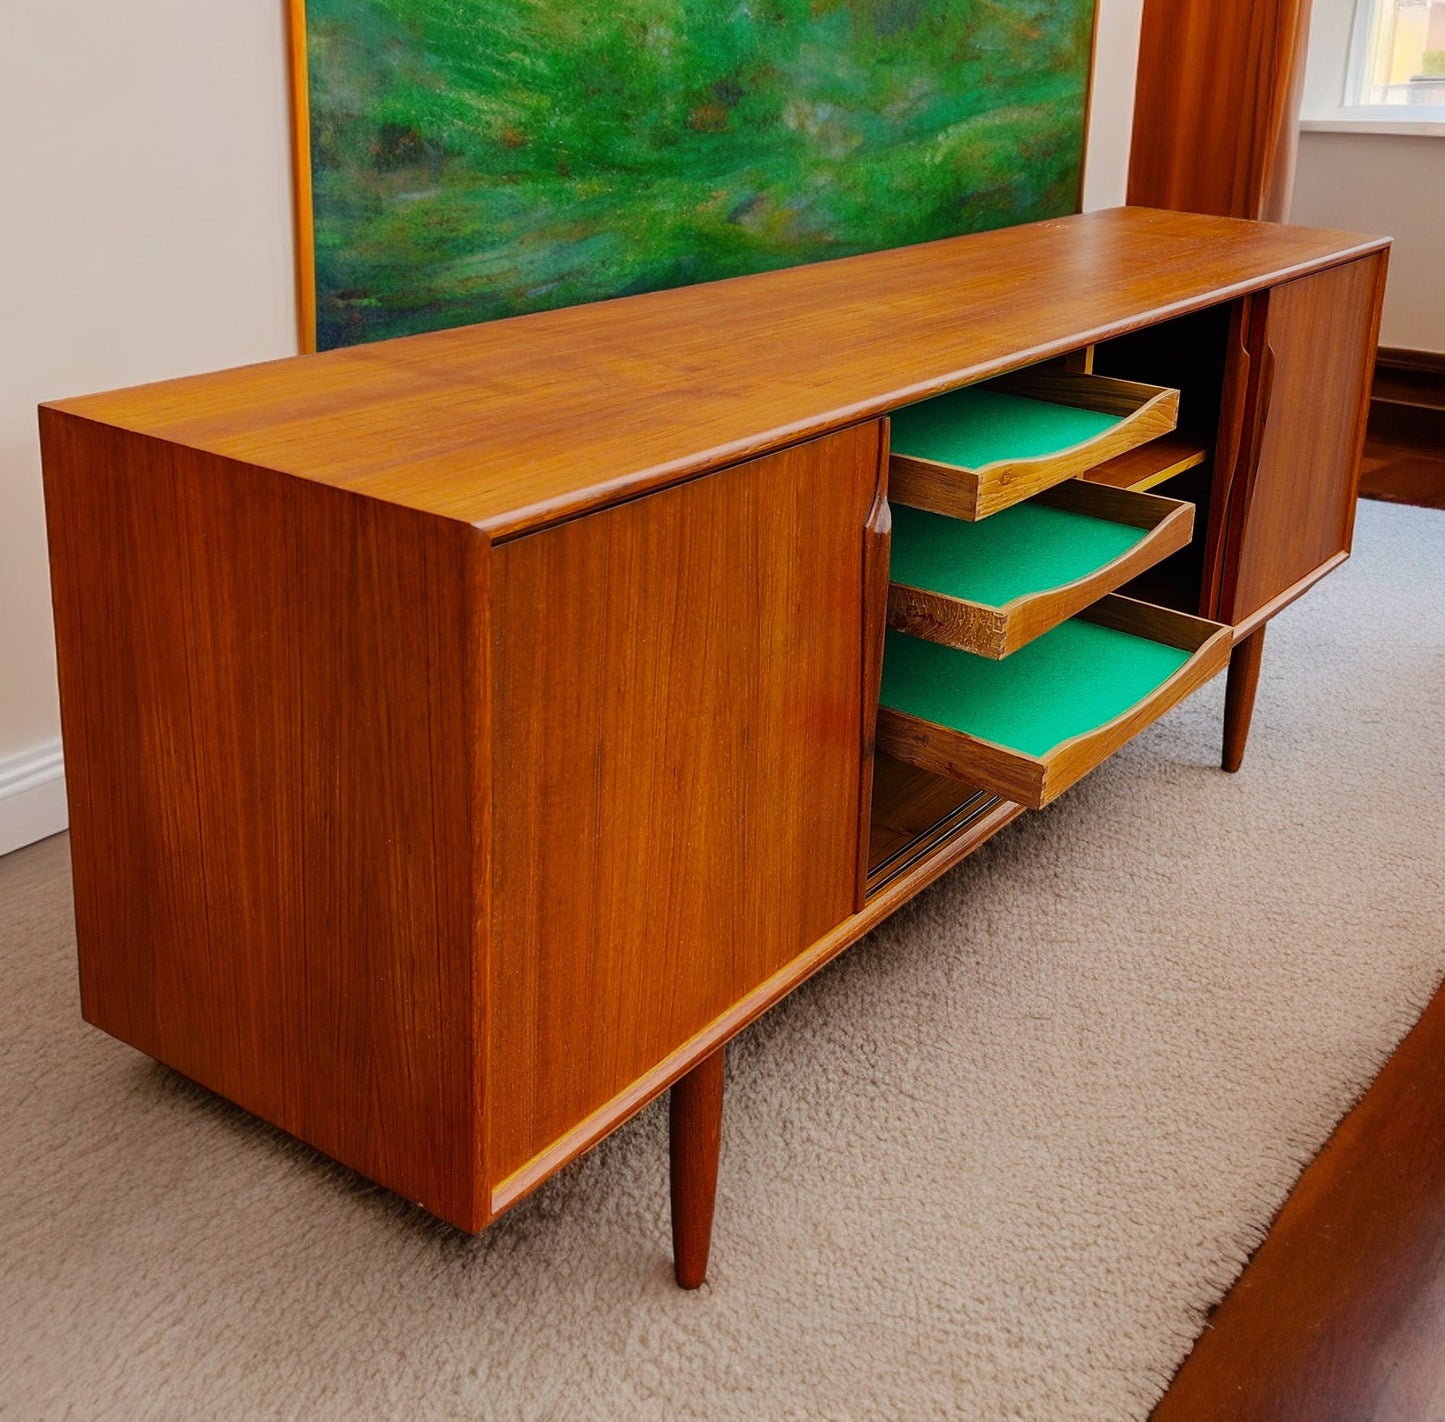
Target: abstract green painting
{"x": 472, "y": 159}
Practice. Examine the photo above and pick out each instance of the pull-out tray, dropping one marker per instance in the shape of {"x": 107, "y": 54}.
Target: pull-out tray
{"x": 1151, "y": 463}
{"x": 975, "y": 451}
{"x": 992, "y": 587}
{"x": 1027, "y": 728}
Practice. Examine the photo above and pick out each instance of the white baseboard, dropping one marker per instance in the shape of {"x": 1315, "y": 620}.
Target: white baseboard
{"x": 32, "y": 796}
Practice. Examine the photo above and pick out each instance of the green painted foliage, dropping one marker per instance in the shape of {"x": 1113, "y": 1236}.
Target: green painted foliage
{"x": 480, "y": 158}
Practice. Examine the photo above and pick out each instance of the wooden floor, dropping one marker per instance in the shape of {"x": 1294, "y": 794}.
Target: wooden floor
{"x": 1402, "y": 474}
{"x": 1340, "y": 1316}
{"x": 1405, "y": 448}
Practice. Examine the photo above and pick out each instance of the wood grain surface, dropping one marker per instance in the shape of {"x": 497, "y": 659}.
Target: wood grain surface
{"x": 914, "y": 813}
{"x": 1403, "y": 473}
{"x": 877, "y": 550}
{"x": 1150, "y": 464}
{"x": 1056, "y": 384}
{"x": 273, "y": 697}
{"x": 998, "y": 632}
{"x": 677, "y": 768}
{"x": 1218, "y": 93}
{"x": 1034, "y": 780}
{"x": 1244, "y": 663}
{"x": 448, "y": 854}
{"x": 521, "y": 422}
{"x": 1313, "y": 343}
{"x": 694, "y": 1143}
{"x": 299, "y": 90}
{"x": 976, "y": 493}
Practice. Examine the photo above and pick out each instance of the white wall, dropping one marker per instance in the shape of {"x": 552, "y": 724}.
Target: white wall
{"x": 1374, "y": 181}
{"x": 1395, "y": 185}
{"x": 1111, "y": 117}
{"x": 146, "y": 232}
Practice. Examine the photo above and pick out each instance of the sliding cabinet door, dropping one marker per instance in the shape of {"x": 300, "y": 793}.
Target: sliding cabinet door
{"x": 1312, "y": 347}
{"x": 678, "y": 763}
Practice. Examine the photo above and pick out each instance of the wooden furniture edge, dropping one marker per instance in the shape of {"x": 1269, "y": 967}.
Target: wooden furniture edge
{"x": 928, "y": 745}
{"x": 1180, "y": 452}
{"x": 877, "y": 542}
{"x": 694, "y": 1130}
{"x": 974, "y": 493}
{"x": 627, "y": 1103}
{"x": 482, "y": 679}
{"x": 528, "y": 516}
{"x": 1083, "y": 390}
{"x": 204, "y": 475}
{"x": 1074, "y": 758}
{"x": 1034, "y": 780}
{"x": 303, "y": 213}
{"x": 954, "y": 621}
{"x": 1135, "y": 507}
{"x": 939, "y": 488}
{"x": 998, "y": 632}
{"x": 1229, "y": 452}
{"x": 1362, "y": 429}
{"x": 1261, "y": 615}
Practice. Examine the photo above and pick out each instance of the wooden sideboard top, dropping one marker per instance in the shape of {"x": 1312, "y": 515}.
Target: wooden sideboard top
{"x": 517, "y": 423}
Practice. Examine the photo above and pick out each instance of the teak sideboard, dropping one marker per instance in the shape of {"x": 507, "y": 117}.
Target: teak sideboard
{"x": 466, "y": 735}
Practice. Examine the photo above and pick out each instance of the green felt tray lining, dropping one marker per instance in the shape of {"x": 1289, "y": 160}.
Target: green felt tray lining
{"x": 975, "y": 426}
{"x": 1071, "y": 680}
{"x": 1024, "y": 549}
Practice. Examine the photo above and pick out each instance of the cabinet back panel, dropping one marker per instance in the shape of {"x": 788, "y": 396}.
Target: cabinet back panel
{"x": 677, "y": 770}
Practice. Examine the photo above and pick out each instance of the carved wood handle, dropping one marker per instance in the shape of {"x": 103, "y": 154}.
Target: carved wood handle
{"x": 877, "y": 545}
{"x": 1240, "y": 496}
{"x": 1257, "y": 433}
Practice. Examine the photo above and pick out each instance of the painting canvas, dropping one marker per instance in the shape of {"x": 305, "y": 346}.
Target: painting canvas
{"x": 472, "y": 159}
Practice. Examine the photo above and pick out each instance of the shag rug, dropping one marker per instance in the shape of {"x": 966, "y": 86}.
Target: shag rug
{"x": 997, "y": 1162}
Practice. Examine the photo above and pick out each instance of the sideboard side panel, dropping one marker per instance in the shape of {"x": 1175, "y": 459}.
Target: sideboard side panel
{"x": 268, "y": 694}
{"x": 677, "y": 766}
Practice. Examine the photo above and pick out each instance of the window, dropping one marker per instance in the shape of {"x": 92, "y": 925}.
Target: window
{"x": 1376, "y": 66}
{"x": 1397, "y": 58}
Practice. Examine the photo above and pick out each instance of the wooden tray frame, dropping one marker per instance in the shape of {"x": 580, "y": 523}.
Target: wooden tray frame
{"x": 1148, "y": 410}
{"x": 1036, "y": 780}
{"x": 998, "y": 631}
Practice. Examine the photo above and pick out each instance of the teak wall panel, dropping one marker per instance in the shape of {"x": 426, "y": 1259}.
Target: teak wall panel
{"x": 677, "y": 748}
{"x": 270, "y": 695}
{"x": 1313, "y": 349}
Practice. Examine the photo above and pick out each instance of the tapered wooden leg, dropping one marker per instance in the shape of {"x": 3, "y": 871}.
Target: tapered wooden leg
{"x": 1239, "y": 696}
{"x": 696, "y": 1135}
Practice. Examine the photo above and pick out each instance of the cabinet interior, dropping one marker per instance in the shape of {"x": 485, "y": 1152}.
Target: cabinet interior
{"x": 916, "y": 814}
{"x": 1191, "y": 354}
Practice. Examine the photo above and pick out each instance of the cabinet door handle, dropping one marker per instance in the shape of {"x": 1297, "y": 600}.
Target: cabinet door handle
{"x": 877, "y": 545}
{"x": 877, "y": 542}
{"x": 1257, "y": 434}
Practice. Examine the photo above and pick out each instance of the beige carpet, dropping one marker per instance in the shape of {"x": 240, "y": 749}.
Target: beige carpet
{"x": 995, "y": 1163}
